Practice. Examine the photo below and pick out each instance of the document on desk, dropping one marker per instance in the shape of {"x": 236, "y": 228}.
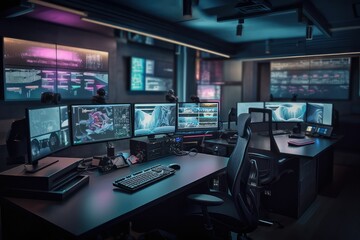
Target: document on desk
{"x": 300, "y": 142}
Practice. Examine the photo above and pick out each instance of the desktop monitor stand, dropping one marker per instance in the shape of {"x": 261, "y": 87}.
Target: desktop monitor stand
{"x": 38, "y": 165}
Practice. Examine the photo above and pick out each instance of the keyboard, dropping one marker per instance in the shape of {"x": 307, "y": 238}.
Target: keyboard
{"x": 138, "y": 180}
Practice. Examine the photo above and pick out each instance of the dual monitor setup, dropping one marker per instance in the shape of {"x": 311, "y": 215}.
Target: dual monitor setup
{"x": 56, "y": 127}
{"x": 317, "y": 116}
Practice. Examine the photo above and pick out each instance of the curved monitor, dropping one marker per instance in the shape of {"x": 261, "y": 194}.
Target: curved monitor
{"x": 92, "y": 123}
{"x": 319, "y": 113}
{"x": 198, "y": 116}
{"x": 48, "y": 129}
{"x": 287, "y": 111}
{"x": 154, "y": 118}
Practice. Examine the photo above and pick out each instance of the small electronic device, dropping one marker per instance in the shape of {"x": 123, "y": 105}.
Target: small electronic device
{"x": 310, "y": 130}
{"x": 324, "y": 131}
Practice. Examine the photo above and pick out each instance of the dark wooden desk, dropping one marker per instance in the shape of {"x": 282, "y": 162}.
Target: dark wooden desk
{"x": 312, "y": 166}
{"x": 99, "y": 205}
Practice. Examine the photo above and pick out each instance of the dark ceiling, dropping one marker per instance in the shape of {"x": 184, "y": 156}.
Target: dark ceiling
{"x": 214, "y": 22}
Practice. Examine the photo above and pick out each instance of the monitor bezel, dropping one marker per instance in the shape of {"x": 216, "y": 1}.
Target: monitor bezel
{"x": 205, "y": 129}
{"x": 34, "y": 160}
{"x": 152, "y": 103}
{"x": 72, "y": 129}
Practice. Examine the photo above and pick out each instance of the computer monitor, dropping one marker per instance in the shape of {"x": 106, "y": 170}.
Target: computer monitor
{"x": 198, "y": 116}
{"x": 151, "y": 119}
{"x": 287, "y": 111}
{"x": 243, "y": 107}
{"x": 319, "y": 113}
{"x": 48, "y": 129}
{"x": 93, "y": 123}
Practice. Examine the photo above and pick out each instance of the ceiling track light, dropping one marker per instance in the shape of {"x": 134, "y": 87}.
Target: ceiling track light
{"x": 239, "y": 30}
{"x": 309, "y": 31}
{"x": 187, "y": 9}
{"x": 239, "y": 27}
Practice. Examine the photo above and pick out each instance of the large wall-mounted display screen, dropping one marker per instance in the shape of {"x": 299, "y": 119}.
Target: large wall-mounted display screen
{"x": 32, "y": 68}
{"x": 151, "y": 75}
{"x": 209, "y": 92}
{"x": 310, "y": 78}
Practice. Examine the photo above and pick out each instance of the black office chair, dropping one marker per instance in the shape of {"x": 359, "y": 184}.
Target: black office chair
{"x": 271, "y": 164}
{"x": 235, "y": 210}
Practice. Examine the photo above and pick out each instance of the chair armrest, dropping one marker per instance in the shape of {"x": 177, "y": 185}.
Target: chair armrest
{"x": 205, "y": 200}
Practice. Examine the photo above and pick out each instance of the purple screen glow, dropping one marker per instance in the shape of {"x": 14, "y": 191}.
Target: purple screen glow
{"x": 29, "y": 70}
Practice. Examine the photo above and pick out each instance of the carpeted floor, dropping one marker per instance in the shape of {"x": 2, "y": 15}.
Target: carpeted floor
{"x": 335, "y": 213}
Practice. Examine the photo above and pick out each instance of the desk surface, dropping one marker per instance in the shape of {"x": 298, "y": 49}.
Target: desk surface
{"x": 99, "y": 203}
{"x": 263, "y": 143}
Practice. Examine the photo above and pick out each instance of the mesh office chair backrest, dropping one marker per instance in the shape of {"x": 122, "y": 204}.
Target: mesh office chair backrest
{"x": 238, "y": 170}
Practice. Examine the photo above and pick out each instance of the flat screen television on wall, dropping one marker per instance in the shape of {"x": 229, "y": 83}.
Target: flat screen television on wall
{"x": 311, "y": 78}
{"x": 151, "y": 75}
{"x": 32, "y": 68}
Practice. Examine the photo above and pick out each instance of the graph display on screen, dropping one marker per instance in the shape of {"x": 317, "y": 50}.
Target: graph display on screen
{"x": 48, "y": 131}
{"x": 243, "y": 107}
{"x": 151, "y": 75}
{"x": 197, "y": 116}
{"x": 319, "y": 113}
{"x": 287, "y": 111}
{"x": 32, "y": 68}
{"x": 311, "y": 78}
{"x": 100, "y": 123}
{"x": 154, "y": 118}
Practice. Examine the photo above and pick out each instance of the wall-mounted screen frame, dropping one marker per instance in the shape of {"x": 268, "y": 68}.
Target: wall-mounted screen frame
{"x": 150, "y": 75}
{"x": 32, "y": 68}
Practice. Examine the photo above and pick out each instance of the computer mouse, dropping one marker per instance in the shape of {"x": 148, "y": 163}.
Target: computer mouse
{"x": 174, "y": 166}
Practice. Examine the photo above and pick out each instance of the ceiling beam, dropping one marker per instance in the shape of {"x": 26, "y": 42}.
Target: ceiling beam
{"x": 312, "y": 14}
{"x": 273, "y": 12}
